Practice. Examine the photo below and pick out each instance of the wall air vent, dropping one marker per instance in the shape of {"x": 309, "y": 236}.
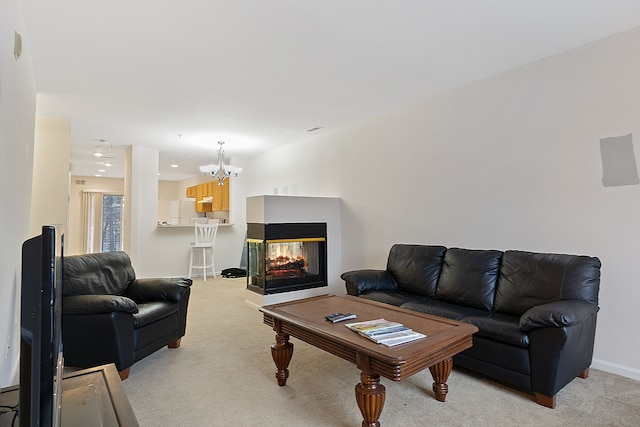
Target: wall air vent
{"x": 80, "y": 182}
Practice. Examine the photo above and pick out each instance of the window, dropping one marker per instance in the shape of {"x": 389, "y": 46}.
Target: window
{"x": 112, "y": 213}
{"x": 103, "y": 222}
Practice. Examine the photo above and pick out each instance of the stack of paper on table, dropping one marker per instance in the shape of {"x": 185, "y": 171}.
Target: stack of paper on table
{"x": 385, "y": 332}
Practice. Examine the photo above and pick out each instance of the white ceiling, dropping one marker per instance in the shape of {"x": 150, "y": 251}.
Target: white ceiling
{"x": 258, "y": 74}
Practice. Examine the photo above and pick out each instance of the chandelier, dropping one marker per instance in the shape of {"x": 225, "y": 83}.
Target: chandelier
{"x": 221, "y": 171}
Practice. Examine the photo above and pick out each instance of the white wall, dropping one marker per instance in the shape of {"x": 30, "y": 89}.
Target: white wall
{"x": 167, "y": 191}
{"x": 50, "y": 187}
{"x": 509, "y": 162}
{"x": 17, "y": 121}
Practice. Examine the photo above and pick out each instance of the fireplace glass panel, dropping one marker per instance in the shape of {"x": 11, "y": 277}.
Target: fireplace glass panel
{"x": 286, "y": 259}
{"x": 286, "y": 264}
{"x": 256, "y": 268}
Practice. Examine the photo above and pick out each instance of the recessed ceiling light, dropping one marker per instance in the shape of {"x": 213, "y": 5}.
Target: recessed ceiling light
{"x": 98, "y": 175}
{"x": 102, "y": 170}
{"x": 175, "y": 166}
{"x": 107, "y": 164}
{"x": 97, "y": 154}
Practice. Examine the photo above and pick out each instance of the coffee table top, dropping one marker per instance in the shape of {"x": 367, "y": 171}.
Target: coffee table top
{"x": 305, "y": 320}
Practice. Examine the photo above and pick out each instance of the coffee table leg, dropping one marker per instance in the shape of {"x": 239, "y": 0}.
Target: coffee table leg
{"x": 370, "y": 397}
{"x": 281, "y": 352}
{"x": 440, "y": 373}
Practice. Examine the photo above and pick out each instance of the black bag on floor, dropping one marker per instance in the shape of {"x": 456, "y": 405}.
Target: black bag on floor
{"x": 233, "y": 272}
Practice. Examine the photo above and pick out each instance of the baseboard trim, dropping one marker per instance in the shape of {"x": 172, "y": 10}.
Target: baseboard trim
{"x": 614, "y": 368}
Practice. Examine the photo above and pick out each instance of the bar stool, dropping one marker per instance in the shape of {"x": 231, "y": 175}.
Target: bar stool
{"x": 205, "y": 240}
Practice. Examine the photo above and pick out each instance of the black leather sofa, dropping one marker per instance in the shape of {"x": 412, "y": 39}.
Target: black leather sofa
{"x": 110, "y": 316}
{"x": 536, "y": 312}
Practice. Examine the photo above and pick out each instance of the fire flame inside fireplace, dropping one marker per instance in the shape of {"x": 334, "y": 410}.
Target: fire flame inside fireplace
{"x": 286, "y": 259}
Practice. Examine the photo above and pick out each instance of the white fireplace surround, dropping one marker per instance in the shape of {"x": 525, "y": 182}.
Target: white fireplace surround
{"x": 270, "y": 209}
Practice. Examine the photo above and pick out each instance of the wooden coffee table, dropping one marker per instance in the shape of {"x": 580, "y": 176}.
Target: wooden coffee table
{"x": 305, "y": 319}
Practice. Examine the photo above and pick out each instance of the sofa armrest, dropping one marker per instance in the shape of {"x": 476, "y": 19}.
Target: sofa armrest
{"x": 92, "y": 304}
{"x": 557, "y": 314}
{"x": 158, "y": 289}
{"x": 359, "y": 281}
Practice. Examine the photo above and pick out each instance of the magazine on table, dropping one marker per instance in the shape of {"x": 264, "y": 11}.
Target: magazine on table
{"x": 373, "y": 326}
{"x": 400, "y": 338}
{"x": 385, "y": 332}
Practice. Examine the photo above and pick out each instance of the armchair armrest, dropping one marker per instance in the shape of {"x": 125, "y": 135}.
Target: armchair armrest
{"x": 92, "y": 304}
{"x": 359, "y": 281}
{"x": 557, "y": 314}
{"x": 158, "y": 289}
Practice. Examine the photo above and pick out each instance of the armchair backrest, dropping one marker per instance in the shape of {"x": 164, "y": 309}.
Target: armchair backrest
{"x": 104, "y": 273}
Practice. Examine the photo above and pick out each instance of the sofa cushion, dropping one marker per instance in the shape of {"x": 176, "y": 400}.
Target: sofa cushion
{"x": 581, "y": 280}
{"x": 529, "y": 279}
{"x": 416, "y": 268}
{"x": 150, "y": 312}
{"x": 500, "y": 327}
{"x": 152, "y": 327}
{"x": 441, "y": 309}
{"x": 389, "y": 296}
{"x": 106, "y": 273}
{"x": 468, "y": 277}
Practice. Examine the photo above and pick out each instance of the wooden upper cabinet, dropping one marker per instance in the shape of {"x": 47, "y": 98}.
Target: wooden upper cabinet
{"x": 201, "y": 207}
{"x": 218, "y": 193}
{"x": 224, "y": 195}
{"x": 210, "y": 188}
{"x": 191, "y": 192}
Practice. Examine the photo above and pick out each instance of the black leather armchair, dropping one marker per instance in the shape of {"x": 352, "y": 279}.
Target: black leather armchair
{"x": 109, "y": 316}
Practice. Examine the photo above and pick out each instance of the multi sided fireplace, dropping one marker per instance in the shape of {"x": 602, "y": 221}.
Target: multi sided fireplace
{"x": 286, "y": 257}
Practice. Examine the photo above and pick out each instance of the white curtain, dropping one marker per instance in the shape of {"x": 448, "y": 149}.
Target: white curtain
{"x": 92, "y": 221}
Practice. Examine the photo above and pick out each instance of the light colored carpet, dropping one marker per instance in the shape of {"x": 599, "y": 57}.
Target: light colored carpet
{"x": 223, "y": 375}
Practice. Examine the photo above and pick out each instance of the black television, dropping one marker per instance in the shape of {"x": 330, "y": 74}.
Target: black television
{"x": 41, "y": 359}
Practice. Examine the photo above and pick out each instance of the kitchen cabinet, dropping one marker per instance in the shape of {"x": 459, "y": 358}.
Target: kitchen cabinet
{"x": 221, "y": 196}
{"x": 201, "y": 206}
{"x": 224, "y": 196}
{"x": 191, "y": 192}
{"x": 209, "y": 190}
{"x": 210, "y": 196}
